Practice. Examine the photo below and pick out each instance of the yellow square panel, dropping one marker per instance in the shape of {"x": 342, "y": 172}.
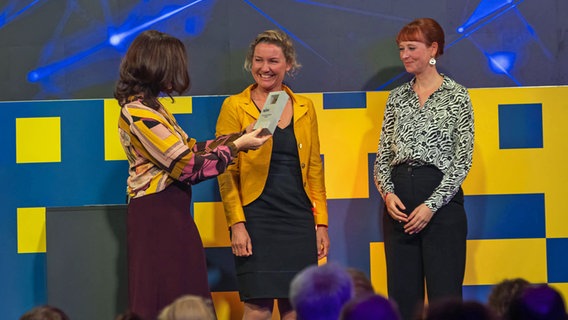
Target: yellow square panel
{"x": 490, "y": 261}
{"x": 38, "y": 140}
{"x": 228, "y": 305}
{"x": 113, "y": 148}
{"x": 31, "y": 230}
{"x": 181, "y": 105}
{"x": 358, "y": 137}
{"x": 562, "y": 288}
{"x": 212, "y": 225}
{"x": 378, "y": 267}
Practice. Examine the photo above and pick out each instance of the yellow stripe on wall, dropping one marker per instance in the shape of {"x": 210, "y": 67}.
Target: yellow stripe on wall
{"x": 491, "y": 261}
{"x": 31, "y": 230}
{"x": 212, "y": 225}
{"x": 562, "y": 288}
{"x": 378, "y": 267}
{"x": 113, "y": 148}
{"x": 357, "y": 137}
{"x": 181, "y": 105}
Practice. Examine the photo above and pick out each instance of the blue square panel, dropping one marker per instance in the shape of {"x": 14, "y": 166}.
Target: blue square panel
{"x": 520, "y": 126}
{"x": 477, "y": 293}
{"x": 345, "y": 100}
{"x": 505, "y": 216}
{"x": 557, "y": 259}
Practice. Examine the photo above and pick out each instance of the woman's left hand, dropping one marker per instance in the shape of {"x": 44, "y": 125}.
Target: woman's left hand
{"x": 322, "y": 241}
{"x": 418, "y": 219}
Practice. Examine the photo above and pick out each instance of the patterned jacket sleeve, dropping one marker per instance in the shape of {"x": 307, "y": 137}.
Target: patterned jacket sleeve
{"x": 177, "y": 157}
{"x": 463, "y": 138}
{"x": 382, "y": 168}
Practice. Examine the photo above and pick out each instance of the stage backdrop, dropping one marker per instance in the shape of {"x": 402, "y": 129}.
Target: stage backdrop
{"x": 72, "y": 49}
{"x": 66, "y": 153}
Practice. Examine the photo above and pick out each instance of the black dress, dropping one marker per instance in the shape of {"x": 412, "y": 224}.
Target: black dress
{"x": 280, "y": 224}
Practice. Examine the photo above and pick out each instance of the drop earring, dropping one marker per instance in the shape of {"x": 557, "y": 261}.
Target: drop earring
{"x": 432, "y": 61}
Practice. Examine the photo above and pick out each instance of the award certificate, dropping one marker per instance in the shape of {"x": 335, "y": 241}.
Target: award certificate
{"x": 272, "y": 110}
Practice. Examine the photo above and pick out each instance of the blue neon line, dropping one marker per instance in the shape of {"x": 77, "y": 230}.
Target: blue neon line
{"x": 489, "y": 57}
{"x": 8, "y": 19}
{"x": 393, "y": 79}
{"x": 510, "y": 6}
{"x": 26, "y": 7}
{"x": 483, "y": 24}
{"x": 106, "y": 12}
{"x": 47, "y": 70}
{"x": 362, "y": 12}
{"x": 143, "y": 26}
{"x": 546, "y": 52}
{"x": 286, "y": 31}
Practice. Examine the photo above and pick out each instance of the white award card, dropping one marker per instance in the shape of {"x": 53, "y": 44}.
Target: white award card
{"x": 272, "y": 110}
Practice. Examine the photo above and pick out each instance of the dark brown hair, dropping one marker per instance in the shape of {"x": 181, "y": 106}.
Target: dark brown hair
{"x": 154, "y": 63}
{"x": 504, "y": 293}
{"x": 425, "y": 30}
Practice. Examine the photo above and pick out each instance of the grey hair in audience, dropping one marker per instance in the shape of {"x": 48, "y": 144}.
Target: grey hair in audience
{"x": 319, "y": 293}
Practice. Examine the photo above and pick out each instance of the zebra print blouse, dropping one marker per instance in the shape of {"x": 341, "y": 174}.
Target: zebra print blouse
{"x": 440, "y": 133}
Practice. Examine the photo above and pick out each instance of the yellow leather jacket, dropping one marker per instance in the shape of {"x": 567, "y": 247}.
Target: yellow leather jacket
{"x": 244, "y": 180}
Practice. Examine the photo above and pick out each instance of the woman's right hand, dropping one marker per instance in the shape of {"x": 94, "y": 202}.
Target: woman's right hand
{"x": 252, "y": 140}
{"x": 394, "y": 207}
{"x": 240, "y": 240}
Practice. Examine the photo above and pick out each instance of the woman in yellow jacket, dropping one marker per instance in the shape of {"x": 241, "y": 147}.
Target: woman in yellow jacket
{"x": 274, "y": 197}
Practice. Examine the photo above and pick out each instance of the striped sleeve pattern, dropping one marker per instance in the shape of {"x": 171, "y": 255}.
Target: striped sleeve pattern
{"x": 159, "y": 151}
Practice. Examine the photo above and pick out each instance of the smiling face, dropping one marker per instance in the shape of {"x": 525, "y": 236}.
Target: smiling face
{"x": 269, "y": 66}
{"x": 418, "y": 42}
{"x": 415, "y": 55}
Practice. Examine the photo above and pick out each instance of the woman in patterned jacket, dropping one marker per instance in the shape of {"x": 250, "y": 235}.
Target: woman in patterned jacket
{"x": 424, "y": 155}
{"x": 166, "y": 258}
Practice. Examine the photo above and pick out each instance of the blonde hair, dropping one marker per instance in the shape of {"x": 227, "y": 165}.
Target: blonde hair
{"x": 188, "y": 307}
{"x": 280, "y": 39}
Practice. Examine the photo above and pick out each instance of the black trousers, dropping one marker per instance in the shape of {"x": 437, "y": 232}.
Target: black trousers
{"x": 434, "y": 257}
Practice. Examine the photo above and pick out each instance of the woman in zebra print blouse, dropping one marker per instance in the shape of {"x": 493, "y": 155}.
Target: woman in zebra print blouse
{"x": 424, "y": 155}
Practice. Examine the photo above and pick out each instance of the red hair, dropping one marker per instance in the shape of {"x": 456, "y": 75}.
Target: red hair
{"x": 425, "y": 30}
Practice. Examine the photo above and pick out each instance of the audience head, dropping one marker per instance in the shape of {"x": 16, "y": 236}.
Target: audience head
{"x": 44, "y": 313}
{"x": 539, "y": 302}
{"x": 128, "y": 316}
{"x": 454, "y": 309}
{"x": 369, "y": 307}
{"x": 503, "y": 293}
{"x": 188, "y": 307}
{"x": 319, "y": 293}
{"x": 362, "y": 286}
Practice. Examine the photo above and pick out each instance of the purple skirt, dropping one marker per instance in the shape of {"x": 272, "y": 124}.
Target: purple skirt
{"x": 166, "y": 258}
